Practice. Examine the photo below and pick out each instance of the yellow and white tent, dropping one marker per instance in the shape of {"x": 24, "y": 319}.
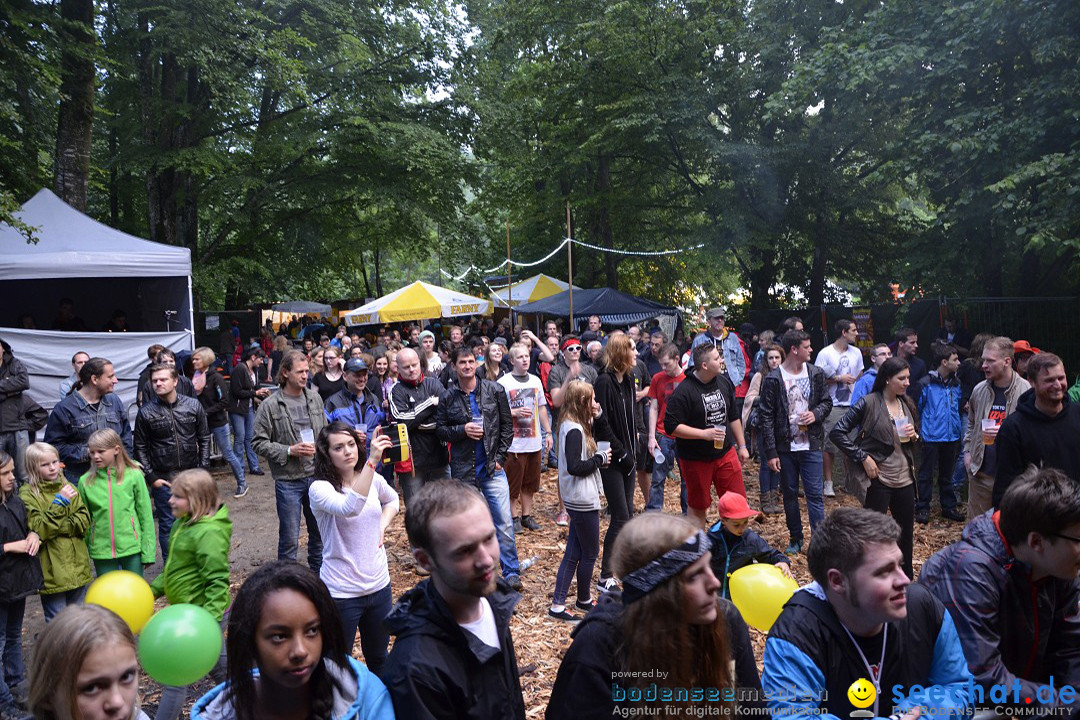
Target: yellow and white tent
{"x": 418, "y": 301}
{"x": 531, "y": 289}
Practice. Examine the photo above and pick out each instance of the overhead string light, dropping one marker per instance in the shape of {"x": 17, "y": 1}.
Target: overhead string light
{"x": 637, "y": 253}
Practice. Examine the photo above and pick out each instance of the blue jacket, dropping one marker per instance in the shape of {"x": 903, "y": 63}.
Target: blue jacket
{"x": 939, "y": 408}
{"x": 72, "y": 422}
{"x": 864, "y": 384}
{"x": 1015, "y": 630}
{"x": 810, "y": 662}
{"x": 355, "y": 410}
{"x": 360, "y": 696}
{"x": 729, "y": 348}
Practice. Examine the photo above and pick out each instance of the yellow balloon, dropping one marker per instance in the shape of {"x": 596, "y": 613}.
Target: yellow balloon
{"x": 126, "y": 594}
{"x": 759, "y": 591}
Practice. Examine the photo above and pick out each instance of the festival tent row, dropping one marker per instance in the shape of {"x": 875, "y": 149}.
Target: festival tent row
{"x": 102, "y": 269}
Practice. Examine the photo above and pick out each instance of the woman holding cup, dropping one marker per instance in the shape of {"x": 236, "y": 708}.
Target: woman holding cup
{"x": 886, "y": 426}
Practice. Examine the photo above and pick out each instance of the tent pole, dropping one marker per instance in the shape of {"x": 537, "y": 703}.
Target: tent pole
{"x": 570, "y": 264}
{"x": 509, "y": 280}
{"x": 191, "y": 315}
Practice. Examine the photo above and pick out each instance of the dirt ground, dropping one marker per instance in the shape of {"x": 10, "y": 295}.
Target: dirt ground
{"x": 539, "y": 640}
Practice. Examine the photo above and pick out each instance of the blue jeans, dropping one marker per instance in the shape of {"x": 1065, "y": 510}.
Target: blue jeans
{"x": 11, "y": 622}
{"x": 221, "y": 436}
{"x": 366, "y": 614}
{"x": 55, "y": 602}
{"x": 810, "y": 465}
{"x": 292, "y": 501}
{"x": 497, "y": 493}
{"x": 660, "y": 474}
{"x": 768, "y": 479}
{"x": 582, "y": 547}
{"x": 959, "y": 477}
{"x": 160, "y": 496}
{"x": 243, "y": 427}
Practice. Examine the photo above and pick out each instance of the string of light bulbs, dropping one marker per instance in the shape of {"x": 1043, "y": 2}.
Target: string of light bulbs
{"x": 635, "y": 253}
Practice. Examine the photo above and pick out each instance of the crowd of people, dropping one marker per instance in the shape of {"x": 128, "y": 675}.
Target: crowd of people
{"x": 459, "y": 432}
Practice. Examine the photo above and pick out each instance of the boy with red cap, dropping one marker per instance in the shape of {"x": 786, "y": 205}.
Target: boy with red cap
{"x": 735, "y": 545}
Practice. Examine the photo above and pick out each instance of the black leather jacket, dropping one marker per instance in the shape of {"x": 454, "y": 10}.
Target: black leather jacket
{"x": 450, "y": 421}
{"x": 173, "y": 437}
{"x": 773, "y": 411}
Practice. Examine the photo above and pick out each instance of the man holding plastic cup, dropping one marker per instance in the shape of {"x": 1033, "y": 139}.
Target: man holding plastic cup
{"x": 709, "y": 444}
{"x": 992, "y": 400}
{"x": 286, "y": 426}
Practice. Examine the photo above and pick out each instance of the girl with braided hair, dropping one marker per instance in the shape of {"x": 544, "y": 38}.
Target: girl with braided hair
{"x": 667, "y": 640}
{"x": 287, "y": 656}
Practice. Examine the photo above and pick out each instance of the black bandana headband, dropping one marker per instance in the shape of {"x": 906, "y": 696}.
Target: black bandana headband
{"x": 645, "y": 579}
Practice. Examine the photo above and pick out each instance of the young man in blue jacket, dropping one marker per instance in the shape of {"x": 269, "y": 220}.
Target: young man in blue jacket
{"x": 862, "y": 621}
{"x": 939, "y": 410}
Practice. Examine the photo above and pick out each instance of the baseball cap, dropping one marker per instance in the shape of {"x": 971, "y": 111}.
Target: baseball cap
{"x": 356, "y": 365}
{"x": 1023, "y": 346}
{"x": 733, "y": 506}
{"x": 717, "y": 312}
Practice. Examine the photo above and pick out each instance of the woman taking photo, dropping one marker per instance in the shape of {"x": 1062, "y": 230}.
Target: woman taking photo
{"x": 883, "y": 452}
{"x": 667, "y": 623}
{"x": 771, "y": 503}
{"x": 330, "y": 379}
{"x": 616, "y": 424}
{"x": 353, "y": 506}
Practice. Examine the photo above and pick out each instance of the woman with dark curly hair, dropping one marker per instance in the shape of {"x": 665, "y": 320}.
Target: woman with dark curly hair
{"x": 288, "y": 658}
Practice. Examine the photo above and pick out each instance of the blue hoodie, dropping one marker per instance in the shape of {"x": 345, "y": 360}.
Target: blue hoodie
{"x": 361, "y": 696}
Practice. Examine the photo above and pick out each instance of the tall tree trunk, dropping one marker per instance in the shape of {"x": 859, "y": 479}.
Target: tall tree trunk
{"x": 762, "y": 276}
{"x": 378, "y": 274}
{"x": 76, "y": 115}
{"x": 815, "y": 293}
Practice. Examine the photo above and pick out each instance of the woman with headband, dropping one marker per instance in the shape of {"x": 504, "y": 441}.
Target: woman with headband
{"x": 667, "y": 640}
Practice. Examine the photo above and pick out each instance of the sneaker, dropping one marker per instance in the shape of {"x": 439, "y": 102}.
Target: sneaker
{"x": 514, "y": 581}
{"x": 585, "y": 606}
{"x": 922, "y": 516}
{"x": 528, "y": 523}
{"x": 793, "y": 548}
{"x": 256, "y": 472}
{"x": 517, "y": 525}
{"x": 563, "y": 614}
{"x": 607, "y": 585}
{"x": 829, "y": 492}
{"x": 562, "y": 519}
{"x": 240, "y": 491}
{"x": 954, "y": 515}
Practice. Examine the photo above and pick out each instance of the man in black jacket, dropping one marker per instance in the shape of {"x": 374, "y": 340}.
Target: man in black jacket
{"x": 171, "y": 434}
{"x": 414, "y": 401}
{"x": 453, "y": 655}
{"x": 1043, "y": 430}
{"x": 474, "y": 418}
{"x": 793, "y": 407}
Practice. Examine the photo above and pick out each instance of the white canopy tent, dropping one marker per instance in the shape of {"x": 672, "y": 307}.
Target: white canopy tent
{"x": 528, "y": 290}
{"x": 102, "y": 270}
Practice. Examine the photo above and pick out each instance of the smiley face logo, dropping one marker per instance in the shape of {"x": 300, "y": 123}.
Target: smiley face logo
{"x": 862, "y": 693}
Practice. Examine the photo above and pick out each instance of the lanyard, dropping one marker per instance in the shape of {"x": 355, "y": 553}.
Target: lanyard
{"x": 875, "y": 677}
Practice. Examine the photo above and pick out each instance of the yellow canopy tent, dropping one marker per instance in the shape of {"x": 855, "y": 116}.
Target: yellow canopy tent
{"x": 528, "y": 290}
{"x": 417, "y": 301}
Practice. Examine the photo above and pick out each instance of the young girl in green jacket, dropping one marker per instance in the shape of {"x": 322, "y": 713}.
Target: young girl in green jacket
{"x": 197, "y": 571}
{"x": 56, "y": 513}
{"x": 121, "y": 535}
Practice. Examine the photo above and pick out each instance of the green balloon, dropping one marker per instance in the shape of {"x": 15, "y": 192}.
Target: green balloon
{"x": 180, "y": 644}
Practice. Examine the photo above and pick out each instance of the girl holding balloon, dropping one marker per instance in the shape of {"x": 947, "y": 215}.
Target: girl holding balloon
{"x": 197, "y": 571}
{"x": 56, "y": 513}
{"x": 84, "y": 668}
{"x": 288, "y": 657}
{"x": 20, "y": 576}
{"x": 121, "y": 535}
{"x": 668, "y": 622}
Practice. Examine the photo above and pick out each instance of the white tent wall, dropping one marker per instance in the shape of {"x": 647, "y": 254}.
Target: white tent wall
{"x": 46, "y": 355}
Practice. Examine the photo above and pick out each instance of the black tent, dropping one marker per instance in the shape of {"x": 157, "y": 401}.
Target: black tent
{"x": 613, "y": 307}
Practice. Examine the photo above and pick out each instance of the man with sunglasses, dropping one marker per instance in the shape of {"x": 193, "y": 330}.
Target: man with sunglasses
{"x": 569, "y": 366}
{"x": 1011, "y": 588}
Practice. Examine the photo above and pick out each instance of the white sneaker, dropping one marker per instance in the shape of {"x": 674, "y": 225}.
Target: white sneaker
{"x": 829, "y": 489}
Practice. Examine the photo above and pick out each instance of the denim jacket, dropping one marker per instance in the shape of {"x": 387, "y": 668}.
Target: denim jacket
{"x": 72, "y": 422}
